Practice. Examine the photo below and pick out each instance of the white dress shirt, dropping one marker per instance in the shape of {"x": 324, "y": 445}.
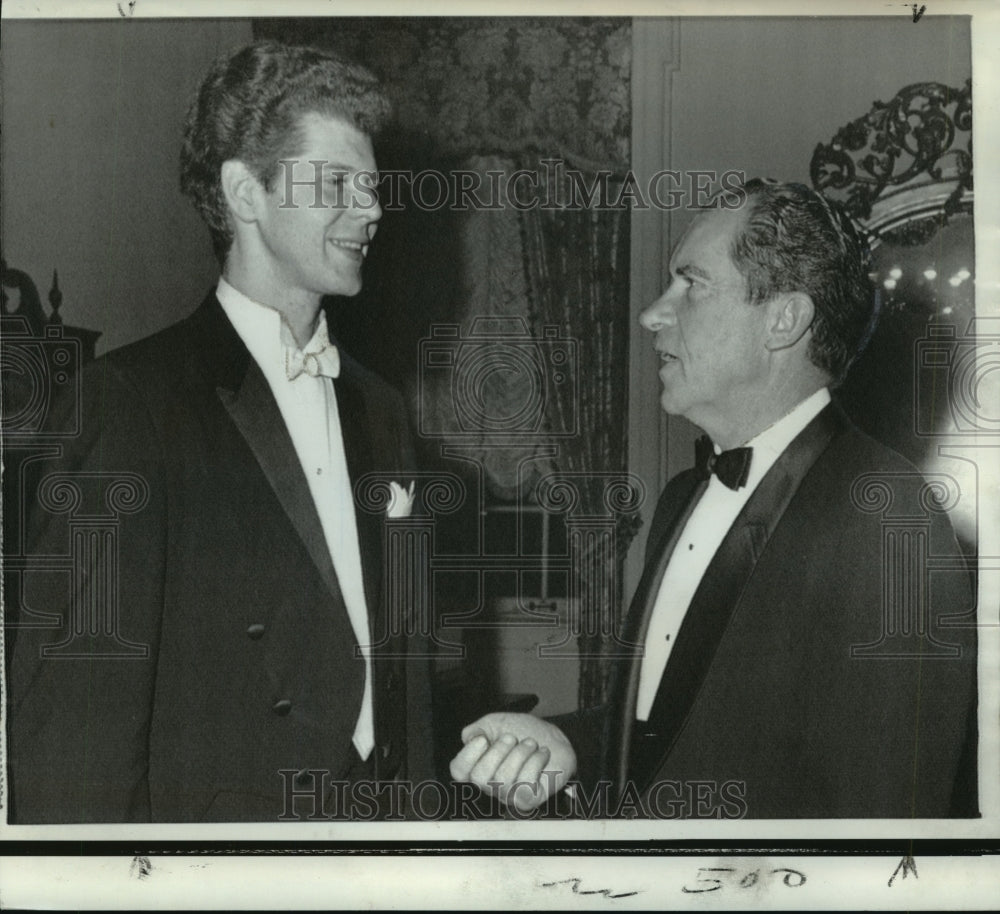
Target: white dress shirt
{"x": 700, "y": 539}
{"x": 308, "y": 404}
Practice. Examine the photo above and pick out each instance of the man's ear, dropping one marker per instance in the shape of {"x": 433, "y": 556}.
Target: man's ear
{"x": 790, "y": 315}
{"x": 241, "y": 190}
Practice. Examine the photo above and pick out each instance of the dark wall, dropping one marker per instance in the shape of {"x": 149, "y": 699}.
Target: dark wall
{"x": 92, "y": 114}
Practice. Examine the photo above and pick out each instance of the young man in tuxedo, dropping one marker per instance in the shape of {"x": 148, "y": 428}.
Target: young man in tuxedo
{"x": 250, "y": 663}
{"x": 780, "y": 665}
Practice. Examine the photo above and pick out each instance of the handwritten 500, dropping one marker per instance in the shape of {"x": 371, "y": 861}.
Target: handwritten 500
{"x": 705, "y": 882}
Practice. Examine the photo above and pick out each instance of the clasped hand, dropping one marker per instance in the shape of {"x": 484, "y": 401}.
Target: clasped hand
{"x": 519, "y": 758}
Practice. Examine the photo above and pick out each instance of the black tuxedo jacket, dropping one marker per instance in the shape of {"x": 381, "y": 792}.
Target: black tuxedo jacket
{"x": 225, "y": 579}
{"x": 769, "y": 688}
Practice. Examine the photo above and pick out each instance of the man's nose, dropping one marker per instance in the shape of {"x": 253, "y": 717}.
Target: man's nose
{"x": 658, "y": 314}
{"x": 373, "y": 212}
{"x": 366, "y": 201}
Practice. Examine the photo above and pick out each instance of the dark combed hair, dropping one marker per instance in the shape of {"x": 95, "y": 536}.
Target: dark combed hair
{"x": 795, "y": 240}
{"x": 249, "y": 107}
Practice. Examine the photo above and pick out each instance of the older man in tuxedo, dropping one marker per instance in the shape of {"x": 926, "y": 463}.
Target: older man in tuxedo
{"x": 785, "y": 666}
{"x": 250, "y": 663}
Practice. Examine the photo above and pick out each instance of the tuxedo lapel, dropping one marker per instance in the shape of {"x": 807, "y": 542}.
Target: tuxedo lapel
{"x": 361, "y": 459}
{"x": 243, "y": 390}
{"x": 718, "y": 595}
{"x": 664, "y": 533}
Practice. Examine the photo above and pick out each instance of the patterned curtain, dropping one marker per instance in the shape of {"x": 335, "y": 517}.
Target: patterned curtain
{"x": 576, "y": 261}
{"x": 489, "y": 84}
{"x": 492, "y": 303}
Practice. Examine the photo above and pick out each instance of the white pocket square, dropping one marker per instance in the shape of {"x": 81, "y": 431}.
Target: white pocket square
{"x": 401, "y": 503}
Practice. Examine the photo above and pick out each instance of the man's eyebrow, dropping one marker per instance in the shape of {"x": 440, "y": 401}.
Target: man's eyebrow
{"x": 689, "y": 269}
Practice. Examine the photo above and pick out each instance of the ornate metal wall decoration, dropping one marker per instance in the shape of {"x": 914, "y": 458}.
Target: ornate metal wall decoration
{"x": 904, "y": 172}
{"x": 925, "y": 131}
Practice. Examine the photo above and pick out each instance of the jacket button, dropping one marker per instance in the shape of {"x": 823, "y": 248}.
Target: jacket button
{"x": 282, "y": 707}
{"x": 392, "y": 682}
{"x": 256, "y": 631}
{"x": 386, "y": 749}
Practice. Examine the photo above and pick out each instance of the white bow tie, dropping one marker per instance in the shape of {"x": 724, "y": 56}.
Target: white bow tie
{"x": 321, "y": 358}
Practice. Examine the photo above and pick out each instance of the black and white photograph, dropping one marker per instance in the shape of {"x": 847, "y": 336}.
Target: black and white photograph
{"x": 519, "y": 433}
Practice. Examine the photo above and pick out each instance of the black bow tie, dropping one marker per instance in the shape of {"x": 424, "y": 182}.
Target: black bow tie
{"x": 732, "y": 467}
